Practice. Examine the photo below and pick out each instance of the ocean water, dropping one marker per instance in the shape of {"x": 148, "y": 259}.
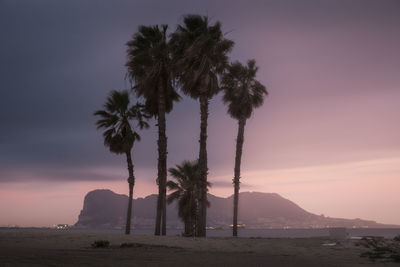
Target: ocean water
{"x": 262, "y": 233}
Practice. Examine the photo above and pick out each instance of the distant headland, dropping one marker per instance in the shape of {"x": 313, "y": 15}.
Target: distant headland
{"x": 103, "y": 208}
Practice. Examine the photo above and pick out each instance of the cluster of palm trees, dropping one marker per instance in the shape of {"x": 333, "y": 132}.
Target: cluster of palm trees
{"x": 193, "y": 59}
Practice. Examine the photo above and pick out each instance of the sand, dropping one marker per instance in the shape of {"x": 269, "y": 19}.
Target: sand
{"x": 30, "y": 248}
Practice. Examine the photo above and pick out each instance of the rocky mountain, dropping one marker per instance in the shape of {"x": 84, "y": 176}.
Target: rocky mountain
{"x": 105, "y": 209}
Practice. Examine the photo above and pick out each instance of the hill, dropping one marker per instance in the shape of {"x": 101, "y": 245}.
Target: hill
{"x": 106, "y": 209}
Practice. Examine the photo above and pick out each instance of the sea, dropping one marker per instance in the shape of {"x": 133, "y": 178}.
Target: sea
{"x": 253, "y": 233}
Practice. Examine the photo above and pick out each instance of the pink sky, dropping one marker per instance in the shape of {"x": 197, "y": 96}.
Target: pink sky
{"x": 364, "y": 189}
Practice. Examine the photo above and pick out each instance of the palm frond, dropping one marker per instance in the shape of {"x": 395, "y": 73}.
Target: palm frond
{"x": 185, "y": 189}
{"x": 149, "y": 66}
{"x": 199, "y": 54}
{"x": 119, "y": 134}
{"x": 242, "y": 92}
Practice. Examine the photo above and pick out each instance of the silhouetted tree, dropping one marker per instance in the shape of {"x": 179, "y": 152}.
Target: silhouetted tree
{"x": 200, "y": 55}
{"x": 119, "y": 134}
{"x": 149, "y": 68}
{"x": 242, "y": 94}
{"x": 186, "y": 191}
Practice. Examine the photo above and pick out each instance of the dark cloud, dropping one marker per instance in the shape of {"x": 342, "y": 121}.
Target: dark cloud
{"x": 51, "y": 174}
{"x": 58, "y": 62}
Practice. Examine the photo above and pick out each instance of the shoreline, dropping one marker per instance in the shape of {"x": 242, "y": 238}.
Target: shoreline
{"x": 247, "y": 232}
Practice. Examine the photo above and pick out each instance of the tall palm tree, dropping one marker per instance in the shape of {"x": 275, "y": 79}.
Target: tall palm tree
{"x": 120, "y": 135}
{"x": 200, "y": 55}
{"x": 186, "y": 191}
{"x": 242, "y": 94}
{"x": 149, "y": 68}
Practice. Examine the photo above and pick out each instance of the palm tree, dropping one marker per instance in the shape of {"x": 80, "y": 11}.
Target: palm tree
{"x": 200, "y": 55}
{"x": 242, "y": 94}
{"x": 186, "y": 191}
{"x": 149, "y": 69}
{"x": 119, "y": 135}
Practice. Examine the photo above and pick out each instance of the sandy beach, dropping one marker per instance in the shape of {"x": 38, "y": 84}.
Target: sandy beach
{"x": 29, "y": 248}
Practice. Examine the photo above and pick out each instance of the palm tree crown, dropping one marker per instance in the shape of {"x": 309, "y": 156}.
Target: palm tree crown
{"x": 148, "y": 63}
{"x": 186, "y": 186}
{"x": 199, "y": 55}
{"x": 186, "y": 191}
{"x": 115, "y": 119}
{"x": 242, "y": 93}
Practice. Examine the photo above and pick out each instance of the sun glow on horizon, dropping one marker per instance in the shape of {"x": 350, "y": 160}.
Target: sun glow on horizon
{"x": 365, "y": 189}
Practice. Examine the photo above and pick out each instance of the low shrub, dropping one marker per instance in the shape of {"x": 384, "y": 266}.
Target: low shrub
{"x": 380, "y": 249}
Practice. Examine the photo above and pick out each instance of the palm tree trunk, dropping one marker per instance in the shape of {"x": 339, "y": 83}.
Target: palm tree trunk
{"x": 162, "y": 166}
{"x": 195, "y": 217}
{"x": 131, "y": 181}
{"x": 190, "y": 217}
{"x": 236, "y": 179}
{"x": 157, "y": 230}
{"x": 164, "y": 209}
{"x": 187, "y": 227}
{"x": 162, "y": 107}
{"x": 201, "y": 226}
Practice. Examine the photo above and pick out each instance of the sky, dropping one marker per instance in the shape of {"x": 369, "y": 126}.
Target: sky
{"x": 327, "y": 136}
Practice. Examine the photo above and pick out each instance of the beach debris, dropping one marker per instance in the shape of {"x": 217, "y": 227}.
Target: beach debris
{"x": 329, "y": 244}
{"x": 381, "y": 249}
{"x": 101, "y": 244}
